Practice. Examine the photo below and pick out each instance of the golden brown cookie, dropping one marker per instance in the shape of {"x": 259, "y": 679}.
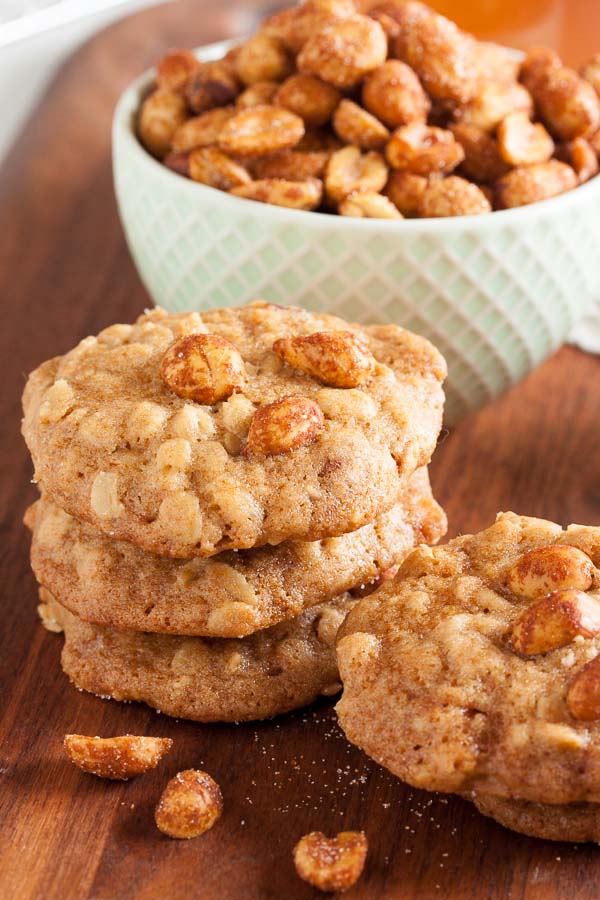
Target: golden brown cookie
{"x": 577, "y": 822}
{"x": 117, "y": 584}
{"x": 478, "y": 667}
{"x": 207, "y": 679}
{"x": 261, "y": 424}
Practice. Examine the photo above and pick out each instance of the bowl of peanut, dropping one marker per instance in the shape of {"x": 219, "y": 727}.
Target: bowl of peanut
{"x": 370, "y": 159}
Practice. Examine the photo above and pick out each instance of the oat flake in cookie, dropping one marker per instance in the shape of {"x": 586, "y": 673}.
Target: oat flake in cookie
{"x": 304, "y": 426}
{"x": 206, "y": 679}
{"x": 117, "y": 584}
{"x": 477, "y": 671}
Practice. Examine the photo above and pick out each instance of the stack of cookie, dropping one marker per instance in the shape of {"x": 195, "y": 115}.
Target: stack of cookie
{"x": 477, "y": 671}
{"x": 217, "y": 489}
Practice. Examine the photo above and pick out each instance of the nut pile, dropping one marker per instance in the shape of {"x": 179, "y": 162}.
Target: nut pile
{"x": 375, "y": 109}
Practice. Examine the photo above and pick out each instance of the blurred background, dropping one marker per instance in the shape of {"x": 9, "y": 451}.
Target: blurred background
{"x": 37, "y": 35}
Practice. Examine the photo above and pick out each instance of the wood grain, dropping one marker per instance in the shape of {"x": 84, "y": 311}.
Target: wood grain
{"x": 65, "y": 272}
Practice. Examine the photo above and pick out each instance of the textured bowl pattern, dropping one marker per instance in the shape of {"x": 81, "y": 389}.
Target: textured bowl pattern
{"x": 497, "y": 294}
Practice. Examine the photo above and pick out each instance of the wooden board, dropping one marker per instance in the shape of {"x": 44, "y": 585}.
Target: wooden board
{"x": 65, "y": 272}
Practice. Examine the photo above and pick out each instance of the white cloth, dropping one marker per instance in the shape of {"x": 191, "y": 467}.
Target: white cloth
{"x": 586, "y": 333}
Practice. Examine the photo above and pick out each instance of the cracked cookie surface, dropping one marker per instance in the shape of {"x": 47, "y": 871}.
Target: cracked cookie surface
{"x": 117, "y": 584}
{"x": 117, "y": 441}
{"x": 473, "y": 670}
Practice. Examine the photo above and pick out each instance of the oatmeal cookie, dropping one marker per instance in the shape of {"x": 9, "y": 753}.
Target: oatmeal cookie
{"x": 207, "y": 679}
{"x": 478, "y": 667}
{"x": 190, "y": 434}
{"x": 117, "y": 584}
{"x": 578, "y": 822}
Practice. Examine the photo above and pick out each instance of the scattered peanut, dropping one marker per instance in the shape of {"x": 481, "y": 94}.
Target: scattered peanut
{"x": 118, "y": 758}
{"x": 190, "y": 804}
{"x": 286, "y": 424}
{"x": 203, "y": 367}
{"x": 493, "y": 102}
{"x": 331, "y": 864}
{"x": 547, "y": 569}
{"x": 583, "y": 695}
{"x": 554, "y": 621}
{"x": 261, "y": 93}
{"x": 337, "y": 358}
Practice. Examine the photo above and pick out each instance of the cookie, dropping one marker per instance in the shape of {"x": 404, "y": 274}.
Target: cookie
{"x": 577, "y": 822}
{"x": 207, "y": 679}
{"x": 477, "y": 668}
{"x": 117, "y": 584}
{"x": 196, "y": 433}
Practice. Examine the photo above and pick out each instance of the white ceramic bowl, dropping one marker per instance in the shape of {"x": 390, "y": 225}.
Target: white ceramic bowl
{"x": 496, "y": 293}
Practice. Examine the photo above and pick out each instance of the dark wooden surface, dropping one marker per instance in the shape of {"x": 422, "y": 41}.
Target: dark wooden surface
{"x": 65, "y": 272}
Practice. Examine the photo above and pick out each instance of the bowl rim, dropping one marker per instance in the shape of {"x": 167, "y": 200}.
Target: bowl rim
{"x": 123, "y": 132}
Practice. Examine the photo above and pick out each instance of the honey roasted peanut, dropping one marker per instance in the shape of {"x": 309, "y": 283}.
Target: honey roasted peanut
{"x": 189, "y": 806}
{"x": 203, "y": 367}
{"x": 175, "y": 70}
{"x": 331, "y": 864}
{"x": 583, "y": 695}
{"x": 368, "y": 205}
{"x": 554, "y": 621}
{"x": 547, "y": 569}
{"x": 305, "y": 194}
{"x": 118, "y": 758}
{"x": 424, "y": 150}
{"x": 530, "y": 184}
{"x": 210, "y": 166}
{"x": 394, "y": 94}
{"x": 308, "y": 97}
{"x": 337, "y": 358}
{"x": 568, "y": 104}
{"x": 212, "y": 84}
{"x": 262, "y": 57}
{"x": 453, "y": 196}
{"x": 160, "y": 116}
{"x": 303, "y": 109}
{"x": 356, "y": 126}
{"x": 344, "y": 52}
{"x": 522, "y": 142}
{"x": 261, "y": 130}
{"x": 201, "y": 131}
{"x": 287, "y": 424}
{"x": 440, "y": 54}
{"x": 406, "y": 190}
{"x": 349, "y": 171}
{"x": 291, "y": 165}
